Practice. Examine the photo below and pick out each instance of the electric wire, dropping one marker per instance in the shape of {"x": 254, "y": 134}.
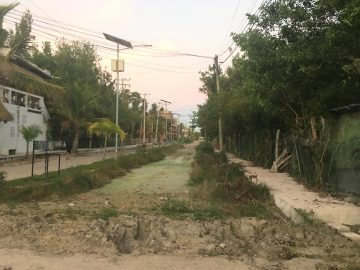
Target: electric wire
{"x": 231, "y": 42}
{"x": 263, "y": 3}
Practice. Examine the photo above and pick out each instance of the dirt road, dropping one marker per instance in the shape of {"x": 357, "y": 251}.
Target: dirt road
{"x": 123, "y": 226}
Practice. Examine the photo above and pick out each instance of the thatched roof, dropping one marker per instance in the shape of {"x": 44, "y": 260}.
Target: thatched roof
{"x": 4, "y": 114}
{"x": 23, "y": 75}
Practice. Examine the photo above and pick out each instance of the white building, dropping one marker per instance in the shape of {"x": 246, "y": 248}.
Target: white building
{"x": 19, "y": 109}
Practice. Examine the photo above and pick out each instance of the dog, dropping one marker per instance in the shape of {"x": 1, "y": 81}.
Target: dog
{"x": 253, "y": 177}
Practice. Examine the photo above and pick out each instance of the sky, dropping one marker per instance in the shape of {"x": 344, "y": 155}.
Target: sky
{"x": 200, "y": 27}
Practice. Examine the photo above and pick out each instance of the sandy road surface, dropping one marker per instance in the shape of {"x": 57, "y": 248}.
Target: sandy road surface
{"x": 26, "y": 260}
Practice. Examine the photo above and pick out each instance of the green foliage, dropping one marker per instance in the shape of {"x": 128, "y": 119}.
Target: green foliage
{"x": 21, "y": 40}
{"x": 294, "y": 68}
{"x": 184, "y": 209}
{"x": 106, "y": 213}
{"x": 78, "y": 179}
{"x": 308, "y": 217}
{"x": 29, "y": 134}
{"x": 213, "y": 178}
{"x": 4, "y": 9}
{"x": 2, "y": 177}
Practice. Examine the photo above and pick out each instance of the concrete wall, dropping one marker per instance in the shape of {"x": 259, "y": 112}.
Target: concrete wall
{"x": 345, "y": 135}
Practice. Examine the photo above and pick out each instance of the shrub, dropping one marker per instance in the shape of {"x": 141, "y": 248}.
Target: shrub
{"x": 2, "y": 177}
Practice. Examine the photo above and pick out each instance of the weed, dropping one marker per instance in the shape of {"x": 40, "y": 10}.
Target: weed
{"x": 308, "y": 217}
{"x": 214, "y": 179}
{"x": 11, "y": 205}
{"x": 254, "y": 209}
{"x": 2, "y": 177}
{"x": 73, "y": 214}
{"x": 183, "y": 209}
{"x": 106, "y": 213}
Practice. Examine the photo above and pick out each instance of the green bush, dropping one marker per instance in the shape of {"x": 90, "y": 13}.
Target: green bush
{"x": 2, "y": 176}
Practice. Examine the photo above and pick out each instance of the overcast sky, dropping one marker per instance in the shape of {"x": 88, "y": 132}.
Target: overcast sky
{"x": 191, "y": 26}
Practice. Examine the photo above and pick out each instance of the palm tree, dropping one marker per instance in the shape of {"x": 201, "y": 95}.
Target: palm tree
{"x": 105, "y": 127}
{"x": 77, "y": 109}
{"x": 29, "y": 134}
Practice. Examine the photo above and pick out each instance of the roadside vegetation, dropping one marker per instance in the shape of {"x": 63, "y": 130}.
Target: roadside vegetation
{"x": 295, "y": 74}
{"x": 220, "y": 189}
{"x": 79, "y": 179}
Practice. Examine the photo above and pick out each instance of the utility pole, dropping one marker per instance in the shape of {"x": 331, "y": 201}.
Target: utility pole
{"x": 123, "y": 84}
{"x": 144, "y": 132}
{"x": 178, "y": 124}
{"x": 157, "y": 123}
{"x": 166, "y": 129}
{"x": 218, "y": 90}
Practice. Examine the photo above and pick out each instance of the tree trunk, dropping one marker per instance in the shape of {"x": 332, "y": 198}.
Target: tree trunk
{"x": 313, "y": 128}
{"x": 27, "y": 149}
{"x": 105, "y": 143}
{"x": 76, "y": 141}
{"x": 277, "y": 144}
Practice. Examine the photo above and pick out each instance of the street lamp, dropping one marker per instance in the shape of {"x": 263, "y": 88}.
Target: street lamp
{"x": 118, "y": 69}
{"x": 127, "y": 44}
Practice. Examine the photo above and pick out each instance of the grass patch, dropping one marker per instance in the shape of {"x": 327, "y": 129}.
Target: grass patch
{"x": 106, "y": 213}
{"x": 79, "y": 179}
{"x": 308, "y": 217}
{"x": 181, "y": 209}
{"x": 73, "y": 213}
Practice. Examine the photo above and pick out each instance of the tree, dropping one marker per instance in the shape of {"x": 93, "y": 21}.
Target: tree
{"x": 89, "y": 90}
{"x": 29, "y": 134}
{"x": 105, "y": 128}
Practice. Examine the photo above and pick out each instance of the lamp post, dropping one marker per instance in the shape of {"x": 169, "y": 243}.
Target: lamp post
{"x": 128, "y": 45}
{"x": 118, "y": 69}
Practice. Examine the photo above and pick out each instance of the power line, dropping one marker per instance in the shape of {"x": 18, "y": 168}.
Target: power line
{"x": 263, "y": 3}
{"x": 231, "y": 43}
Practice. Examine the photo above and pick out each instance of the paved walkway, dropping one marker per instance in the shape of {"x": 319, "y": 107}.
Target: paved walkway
{"x": 22, "y": 168}
{"x": 289, "y": 196}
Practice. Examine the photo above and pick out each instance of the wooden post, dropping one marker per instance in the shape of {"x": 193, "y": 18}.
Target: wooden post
{"x": 277, "y": 144}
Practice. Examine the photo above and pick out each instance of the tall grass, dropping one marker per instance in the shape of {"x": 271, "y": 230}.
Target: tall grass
{"x": 214, "y": 178}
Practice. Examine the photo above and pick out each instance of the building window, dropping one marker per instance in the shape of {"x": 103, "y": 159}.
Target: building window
{"x": 12, "y": 132}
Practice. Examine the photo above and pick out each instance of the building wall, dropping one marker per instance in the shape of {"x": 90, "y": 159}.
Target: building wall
{"x": 345, "y": 135}
{"x": 24, "y": 114}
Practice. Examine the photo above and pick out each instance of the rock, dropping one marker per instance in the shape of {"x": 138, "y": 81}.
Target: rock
{"x": 352, "y": 199}
{"x": 7, "y": 267}
{"x": 299, "y": 236}
{"x": 286, "y": 253}
{"x": 209, "y": 250}
{"x": 222, "y": 245}
{"x": 242, "y": 228}
{"x": 71, "y": 204}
